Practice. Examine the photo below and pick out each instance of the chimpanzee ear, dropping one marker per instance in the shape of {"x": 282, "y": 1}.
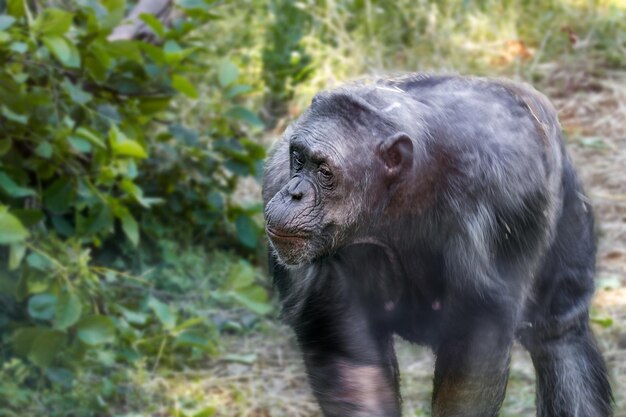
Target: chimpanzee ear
{"x": 397, "y": 153}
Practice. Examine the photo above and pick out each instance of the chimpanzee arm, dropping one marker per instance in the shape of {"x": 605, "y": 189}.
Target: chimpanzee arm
{"x": 471, "y": 371}
{"x": 350, "y": 360}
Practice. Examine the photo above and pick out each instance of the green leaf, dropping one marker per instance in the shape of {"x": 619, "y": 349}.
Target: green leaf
{"x": 125, "y": 50}
{"x": 23, "y": 338}
{"x": 39, "y": 262}
{"x": 130, "y": 226}
{"x": 100, "y": 219}
{"x": 227, "y": 73}
{"x": 12, "y": 189}
{"x": 206, "y": 412}
{"x": 96, "y": 330}
{"x": 172, "y": 52}
{"x": 91, "y": 137}
{"x": 74, "y": 61}
{"x": 257, "y": 307}
{"x": 5, "y": 146}
{"x": 32, "y": 282}
{"x": 62, "y": 226}
{"x": 196, "y": 338}
{"x": 59, "y": 195}
{"x": 62, "y": 50}
{"x": 182, "y": 133}
{"x": 194, "y": 321}
{"x": 53, "y": 22}
{"x": 163, "y": 313}
{"x": 19, "y": 47}
{"x": 42, "y": 306}
{"x": 16, "y": 254}
{"x": 59, "y": 47}
{"x": 80, "y": 144}
{"x": 11, "y": 229}
{"x": 241, "y": 275}
{"x": 185, "y": 86}
{"x": 135, "y": 317}
{"x": 122, "y": 146}
{"x": 77, "y": 94}
{"x": 153, "y": 105}
{"x": 6, "y": 21}
{"x": 44, "y": 150}
{"x": 238, "y": 89}
{"x": 14, "y": 117}
{"x": 98, "y": 61}
{"x": 15, "y": 7}
{"x": 28, "y": 217}
{"x": 116, "y": 9}
{"x": 215, "y": 200}
{"x": 45, "y": 347}
{"x": 247, "y": 231}
{"x": 246, "y": 115}
{"x": 154, "y": 23}
{"x": 129, "y": 148}
{"x": 68, "y": 310}
{"x": 604, "y": 322}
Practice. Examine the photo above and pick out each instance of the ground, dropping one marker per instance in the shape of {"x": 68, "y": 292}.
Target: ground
{"x": 263, "y": 375}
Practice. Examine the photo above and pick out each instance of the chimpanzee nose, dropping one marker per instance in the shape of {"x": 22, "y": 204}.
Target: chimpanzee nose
{"x": 296, "y": 188}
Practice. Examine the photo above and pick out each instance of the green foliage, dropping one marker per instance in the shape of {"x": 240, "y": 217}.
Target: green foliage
{"x": 101, "y": 181}
{"x": 285, "y": 60}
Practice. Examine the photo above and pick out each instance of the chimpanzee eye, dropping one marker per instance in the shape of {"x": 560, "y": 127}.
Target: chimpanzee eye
{"x": 297, "y": 160}
{"x": 325, "y": 174}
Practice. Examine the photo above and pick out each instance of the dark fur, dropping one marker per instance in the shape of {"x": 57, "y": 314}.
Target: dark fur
{"x": 454, "y": 219}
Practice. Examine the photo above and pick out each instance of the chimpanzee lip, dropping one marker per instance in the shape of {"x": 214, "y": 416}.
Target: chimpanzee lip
{"x": 282, "y": 235}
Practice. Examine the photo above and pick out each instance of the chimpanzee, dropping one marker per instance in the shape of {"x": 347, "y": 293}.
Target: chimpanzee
{"x": 446, "y": 210}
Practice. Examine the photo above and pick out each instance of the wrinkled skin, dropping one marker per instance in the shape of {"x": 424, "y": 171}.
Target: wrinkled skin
{"x": 444, "y": 210}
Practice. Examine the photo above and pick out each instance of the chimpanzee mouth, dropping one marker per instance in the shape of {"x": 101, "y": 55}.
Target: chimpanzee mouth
{"x": 274, "y": 234}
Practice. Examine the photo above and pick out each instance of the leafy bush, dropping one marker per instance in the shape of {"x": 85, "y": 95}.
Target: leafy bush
{"x": 100, "y": 180}
{"x": 286, "y": 62}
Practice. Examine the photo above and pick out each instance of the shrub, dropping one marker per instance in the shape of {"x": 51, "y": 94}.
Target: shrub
{"x": 100, "y": 179}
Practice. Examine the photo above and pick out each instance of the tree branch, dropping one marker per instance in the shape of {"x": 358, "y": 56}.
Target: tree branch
{"x": 135, "y": 28}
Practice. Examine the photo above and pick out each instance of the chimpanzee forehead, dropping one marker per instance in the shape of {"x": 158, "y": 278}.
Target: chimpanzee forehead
{"x": 320, "y": 149}
{"x": 334, "y": 134}
{"x": 326, "y": 138}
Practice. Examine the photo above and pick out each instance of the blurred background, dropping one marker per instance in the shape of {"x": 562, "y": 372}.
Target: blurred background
{"x": 133, "y": 276}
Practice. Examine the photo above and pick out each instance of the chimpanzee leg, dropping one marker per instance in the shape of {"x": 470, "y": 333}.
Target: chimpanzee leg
{"x": 349, "y": 358}
{"x": 471, "y": 372}
{"x": 571, "y": 376}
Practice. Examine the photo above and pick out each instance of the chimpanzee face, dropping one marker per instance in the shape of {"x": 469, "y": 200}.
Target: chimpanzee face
{"x": 339, "y": 169}
{"x": 314, "y": 211}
